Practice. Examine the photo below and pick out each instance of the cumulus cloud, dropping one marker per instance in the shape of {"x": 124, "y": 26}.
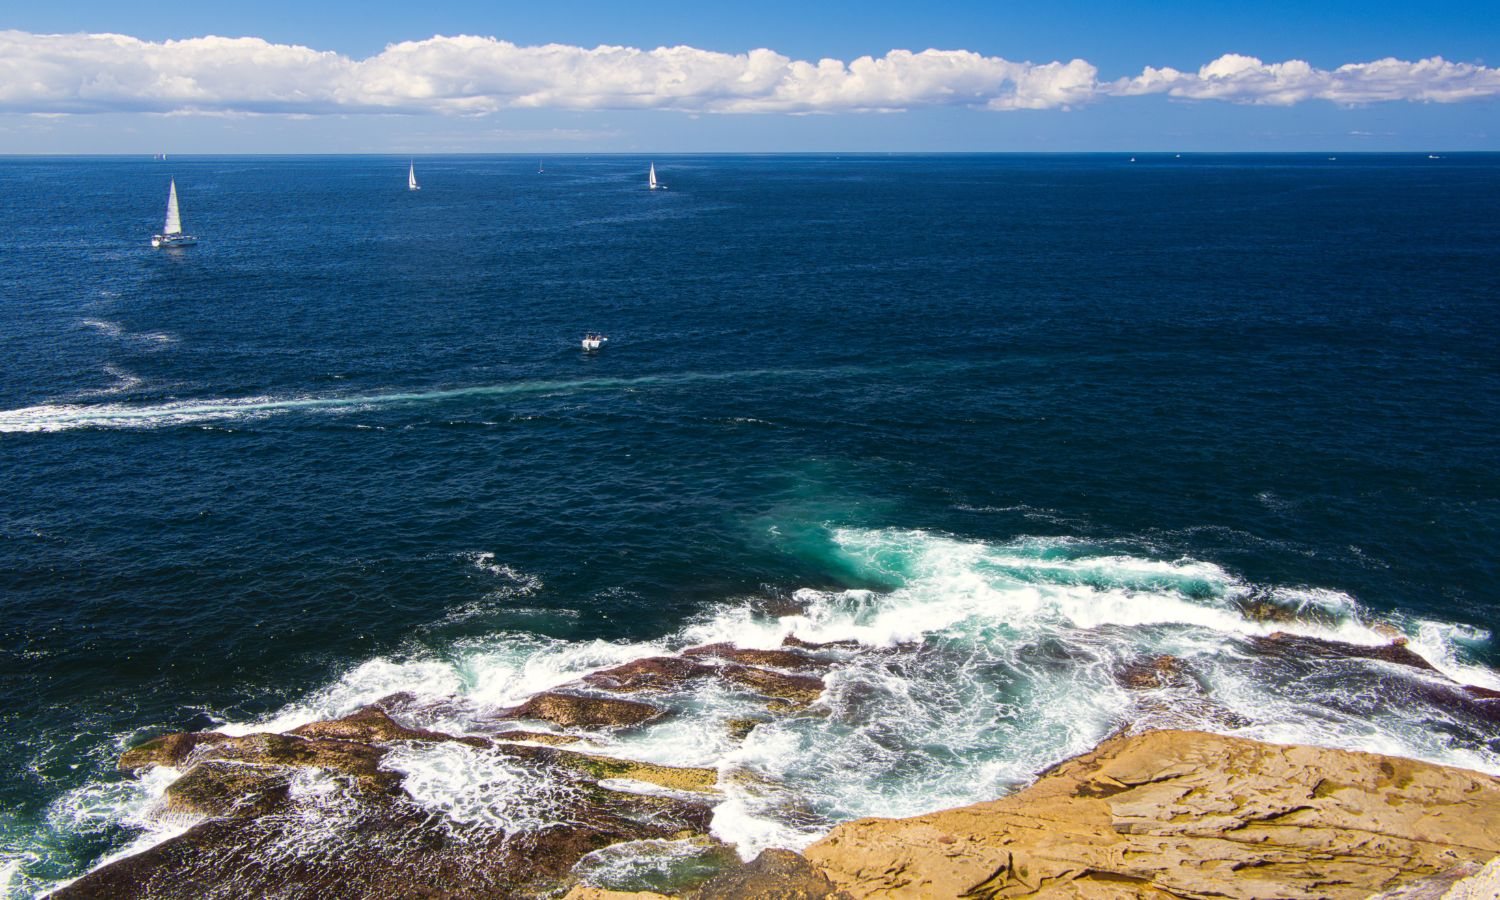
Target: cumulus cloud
{"x": 1245, "y": 79}
{"x": 85, "y": 73}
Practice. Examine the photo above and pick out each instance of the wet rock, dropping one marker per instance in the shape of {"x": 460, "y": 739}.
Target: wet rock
{"x": 656, "y": 673}
{"x": 227, "y": 789}
{"x": 796, "y": 690}
{"x": 573, "y": 710}
{"x": 739, "y": 728}
{"x": 792, "y": 640}
{"x": 779, "y": 659}
{"x": 387, "y": 848}
{"x": 538, "y": 737}
{"x": 773, "y": 875}
{"x": 1152, "y": 673}
{"x": 372, "y": 724}
{"x": 1284, "y": 644}
{"x": 167, "y": 750}
{"x": 360, "y": 761}
{"x": 1260, "y": 608}
{"x": 1184, "y": 814}
{"x": 597, "y": 768}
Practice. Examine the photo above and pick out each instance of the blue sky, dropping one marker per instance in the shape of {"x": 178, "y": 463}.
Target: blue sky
{"x": 443, "y": 97}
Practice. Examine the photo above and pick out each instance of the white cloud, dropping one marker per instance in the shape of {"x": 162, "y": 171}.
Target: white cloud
{"x": 85, "y": 73}
{"x": 1245, "y": 79}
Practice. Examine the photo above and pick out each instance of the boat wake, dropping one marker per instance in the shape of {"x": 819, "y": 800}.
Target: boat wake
{"x": 975, "y": 666}
{"x": 52, "y": 417}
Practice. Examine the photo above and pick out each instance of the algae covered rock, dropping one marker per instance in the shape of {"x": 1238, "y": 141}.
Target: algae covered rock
{"x": 573, "y": 710}
{"x": 779, "y": 659}
{"x": 371, "y": 725}
{"x": 655, "y": 673}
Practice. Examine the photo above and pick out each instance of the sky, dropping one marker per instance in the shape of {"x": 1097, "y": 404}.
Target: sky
{"x": 550, "y": 77}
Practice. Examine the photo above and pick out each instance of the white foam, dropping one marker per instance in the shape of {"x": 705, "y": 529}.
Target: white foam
{"x": 473, "y": 786}
{"x": 979, "y": 665}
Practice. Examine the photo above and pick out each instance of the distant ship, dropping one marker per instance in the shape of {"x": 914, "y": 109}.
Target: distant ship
{"x": 593, "y": 341}
{"x": 411, "y": 177}
{"x": 539, "y": 169}
{"x": 651, "y": 182}
{"x": 171, "y": 230}
{"x": 1433, "y": 156}
{"x": 160, "y": 157}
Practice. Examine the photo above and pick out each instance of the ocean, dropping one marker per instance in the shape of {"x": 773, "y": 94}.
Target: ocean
{"x": 1018, "y": 419}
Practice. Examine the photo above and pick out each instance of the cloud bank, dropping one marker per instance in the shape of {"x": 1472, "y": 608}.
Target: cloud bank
{"x": 92, "y": 73}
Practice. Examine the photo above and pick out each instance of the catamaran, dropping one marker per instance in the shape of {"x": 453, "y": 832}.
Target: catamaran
{"x": 411, "y": 177}
{"x": 171, "y": 230}
{"x": 651, "y": 183}
{"x": 593, "y": 341}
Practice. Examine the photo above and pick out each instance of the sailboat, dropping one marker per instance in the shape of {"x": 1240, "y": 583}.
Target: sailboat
{"x": 539, "y": 169}
{"x": 411, "y": 177}
{"x": 651, "y": 183}
{"x": 171, "y": 230}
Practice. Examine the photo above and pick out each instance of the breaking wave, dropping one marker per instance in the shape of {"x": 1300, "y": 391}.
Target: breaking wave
{"x": 972, "y": 668}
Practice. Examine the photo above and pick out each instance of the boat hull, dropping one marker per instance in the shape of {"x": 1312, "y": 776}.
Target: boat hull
{"x": 173, "y": 240}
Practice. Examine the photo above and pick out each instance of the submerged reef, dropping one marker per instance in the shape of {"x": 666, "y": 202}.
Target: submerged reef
{"x": 370, "y": 805}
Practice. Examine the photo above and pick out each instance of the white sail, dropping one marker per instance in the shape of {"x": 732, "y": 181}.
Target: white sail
{"x": 652, "y": 177}
{"x": 411, "y": 178}
{"x": 174, "y": 218}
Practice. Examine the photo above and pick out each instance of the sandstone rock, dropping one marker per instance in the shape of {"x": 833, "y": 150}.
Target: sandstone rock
{"x": 372, "y": 724}
{"x": 656, "y": 673}
{"x": 1184, "y": 814}
{"x": 573, "y": 710}
{"x": 780, "y": 659}
{"x": 584, "y": 892}
{"x": 1284, "y": 644}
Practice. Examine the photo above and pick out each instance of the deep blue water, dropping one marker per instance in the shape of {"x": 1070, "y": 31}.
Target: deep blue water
{"x": 231, "y": 474}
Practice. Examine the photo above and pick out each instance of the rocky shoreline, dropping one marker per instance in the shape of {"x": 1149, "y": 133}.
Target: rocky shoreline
{"x": 327, "y": 810}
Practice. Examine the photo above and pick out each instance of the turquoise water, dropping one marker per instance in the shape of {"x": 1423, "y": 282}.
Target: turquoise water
{"x": 1016, "y": 418}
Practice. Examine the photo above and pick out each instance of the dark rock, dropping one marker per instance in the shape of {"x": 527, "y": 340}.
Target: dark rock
{"x": 1153, "y": 672}
{"x": 656, "y": 673}
{"x": 1282, "y": 643}
{"x": 780, "y": 659}
{"x": 228, "y": 789}
{"x": 360, "y": 761}
{"x": 540, "y": 737}
{"x": 740, "y": 728}
{"x": 371, "y": 724}
{"x": 792, "y": 640}
{"x": 572, "y": 710}
{"x": 167, "y": 750}
{"x": 597, "y": 768}
{"x": 774, "y": 875}
{"x": 799, "y": 690}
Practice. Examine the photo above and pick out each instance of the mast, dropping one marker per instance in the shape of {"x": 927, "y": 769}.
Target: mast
{"x": 174, "y": 218}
